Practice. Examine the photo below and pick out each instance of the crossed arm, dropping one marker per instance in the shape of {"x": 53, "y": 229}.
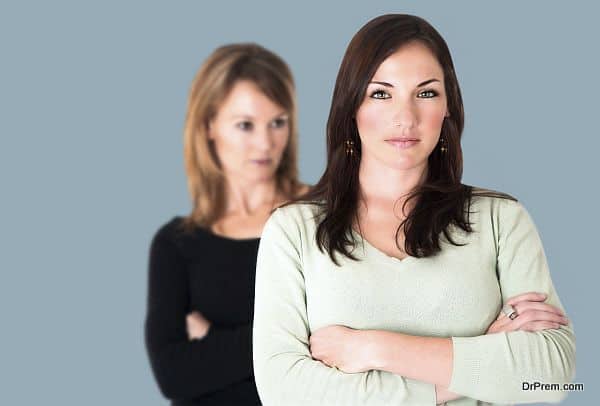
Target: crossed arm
{"x": 411, "y": 370}
{"x": 186, "y": 368}
{"x": 427, "y": 359}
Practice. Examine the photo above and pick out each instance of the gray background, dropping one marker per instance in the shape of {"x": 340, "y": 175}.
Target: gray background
{"x": 92, "y": 102}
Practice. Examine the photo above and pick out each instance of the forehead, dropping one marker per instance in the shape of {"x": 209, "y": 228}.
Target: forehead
{"x": 245, "y": 98}
{"x": 413, "y": 62}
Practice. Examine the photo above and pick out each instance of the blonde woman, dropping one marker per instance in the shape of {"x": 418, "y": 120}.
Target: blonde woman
{"x": 240, "y": 159}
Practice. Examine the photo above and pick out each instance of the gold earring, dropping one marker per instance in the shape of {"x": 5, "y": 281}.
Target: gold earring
{"x": 349, "y": 148}
{"x": 443, "y": 147}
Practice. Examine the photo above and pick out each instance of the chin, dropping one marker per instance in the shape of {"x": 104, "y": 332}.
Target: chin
{"x": 264, "y": 176}
{"x": 404, "y": 166}
{"x": 405, "y": 159}
{"x": 403, "y": 163}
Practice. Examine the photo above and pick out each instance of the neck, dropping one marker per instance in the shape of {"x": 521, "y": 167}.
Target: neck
{"x": 247, "y": 198}
{"x": 387, "y": 187}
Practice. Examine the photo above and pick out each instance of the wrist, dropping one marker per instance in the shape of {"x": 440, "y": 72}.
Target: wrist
{"x": 372, "y": 350}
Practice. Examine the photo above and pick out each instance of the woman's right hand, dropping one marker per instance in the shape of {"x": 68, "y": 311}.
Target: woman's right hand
{"x": 532, "y": 315}
{"x": 197, "y": 325}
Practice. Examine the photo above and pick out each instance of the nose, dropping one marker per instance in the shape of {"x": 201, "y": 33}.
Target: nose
{"x": 405, "y": 115}
{"x": 264, "y": 139}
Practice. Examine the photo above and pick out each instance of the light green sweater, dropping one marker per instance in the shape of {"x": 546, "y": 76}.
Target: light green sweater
{"x": 456, "y": 293}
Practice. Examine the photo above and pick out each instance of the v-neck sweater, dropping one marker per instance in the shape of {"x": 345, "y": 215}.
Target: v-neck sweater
{"x": 456, "y": 293}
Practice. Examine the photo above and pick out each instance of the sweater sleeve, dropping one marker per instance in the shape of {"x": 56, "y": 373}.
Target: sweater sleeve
{"x": 493, "y": 367}
{"x": 284, "y": 371}
{"x": 187, "y": 369}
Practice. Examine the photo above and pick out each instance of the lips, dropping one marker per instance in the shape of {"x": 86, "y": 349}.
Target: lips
{"x": 400, "y": 139}
{"x": 265, "y": 161}
{"x": 403, "y": 142}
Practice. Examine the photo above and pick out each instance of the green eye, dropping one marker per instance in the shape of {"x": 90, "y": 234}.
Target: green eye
{"x": 428, "y": 94}
{"x": 380, "y": 94}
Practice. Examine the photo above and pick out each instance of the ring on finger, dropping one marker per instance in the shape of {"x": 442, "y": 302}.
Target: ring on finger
{"x": 510, "y": 312}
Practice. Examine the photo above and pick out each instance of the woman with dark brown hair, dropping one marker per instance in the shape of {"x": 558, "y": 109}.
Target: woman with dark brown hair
{"x": 240, "y": 158}
{"x": 391, "y": 282}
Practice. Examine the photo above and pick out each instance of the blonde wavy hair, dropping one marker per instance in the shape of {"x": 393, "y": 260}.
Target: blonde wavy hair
{"x": 213, "y": 82}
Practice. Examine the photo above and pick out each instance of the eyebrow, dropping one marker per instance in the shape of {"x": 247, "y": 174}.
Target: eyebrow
{"x": 386, "y": 84}
{"x": 283, "y": 114}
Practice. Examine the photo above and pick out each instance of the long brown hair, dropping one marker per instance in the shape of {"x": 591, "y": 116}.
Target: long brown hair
{"x": 213, "y": 82}
{"x": 442, "y": 199}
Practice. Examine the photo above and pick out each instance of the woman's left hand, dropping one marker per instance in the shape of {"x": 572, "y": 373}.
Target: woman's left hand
{"x": 532, "y": 315}
{"x": 340, "y": 347}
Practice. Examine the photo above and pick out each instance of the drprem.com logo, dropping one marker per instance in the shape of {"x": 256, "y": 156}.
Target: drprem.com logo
{"x": 552, "y": 386}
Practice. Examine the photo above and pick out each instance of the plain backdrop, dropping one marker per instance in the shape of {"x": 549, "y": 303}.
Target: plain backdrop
{"x": 92, "y": 103}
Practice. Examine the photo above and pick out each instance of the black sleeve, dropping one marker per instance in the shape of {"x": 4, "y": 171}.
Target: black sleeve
{"x": 187, "y": 369}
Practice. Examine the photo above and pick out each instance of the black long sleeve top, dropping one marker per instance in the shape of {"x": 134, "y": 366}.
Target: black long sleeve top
{"x": 215, "y": 276}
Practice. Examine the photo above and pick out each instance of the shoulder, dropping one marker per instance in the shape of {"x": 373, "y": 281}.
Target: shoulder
{"x": 173, "y": 235}
{"x": 296, "y": 220}
{"x": 164, "y": 252}
{"x": 170, "y": 230}
{"x": 298, "y": 213}
{"x": 503, "y": 212}
{"x": 493, "y": 202}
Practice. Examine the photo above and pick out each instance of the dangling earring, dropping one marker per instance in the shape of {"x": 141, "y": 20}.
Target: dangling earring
{"x": 443, "y": 147}
{"x": 349, "y": 148}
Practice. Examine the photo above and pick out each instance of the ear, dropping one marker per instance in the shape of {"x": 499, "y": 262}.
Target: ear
{"x": 447, "y": 114}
